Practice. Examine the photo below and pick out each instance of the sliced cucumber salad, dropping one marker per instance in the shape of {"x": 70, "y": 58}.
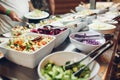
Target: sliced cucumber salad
{"x": 53, "y": 72}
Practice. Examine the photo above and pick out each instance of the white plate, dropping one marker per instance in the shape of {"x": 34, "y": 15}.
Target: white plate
{"x": 43, "y": 13}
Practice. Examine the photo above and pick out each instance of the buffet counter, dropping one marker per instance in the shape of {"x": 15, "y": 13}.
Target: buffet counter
{"x": 12, "y": 71}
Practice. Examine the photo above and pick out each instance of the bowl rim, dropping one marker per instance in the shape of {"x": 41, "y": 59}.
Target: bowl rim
{"x": 59, "y": 52}
{"x": 46, "y": 14}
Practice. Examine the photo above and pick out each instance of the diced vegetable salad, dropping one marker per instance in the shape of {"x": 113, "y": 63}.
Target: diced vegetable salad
{"x": 19, "y": 30}
{"x": 52, "y": 71}
{"x": 28, "y": 43}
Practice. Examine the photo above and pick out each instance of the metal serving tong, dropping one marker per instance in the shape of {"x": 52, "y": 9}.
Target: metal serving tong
{"x": 98, "y": 51}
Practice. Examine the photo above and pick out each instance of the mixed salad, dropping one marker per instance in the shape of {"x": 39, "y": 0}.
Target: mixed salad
{"x": 19, "y": 30}
{"x": 51, "y": 71}
{"x": 28, "y": 43}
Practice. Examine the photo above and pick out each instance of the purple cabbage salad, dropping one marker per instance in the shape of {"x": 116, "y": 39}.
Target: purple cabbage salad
{"x": 84, "y": 38}
{"x": 48, "y": 30}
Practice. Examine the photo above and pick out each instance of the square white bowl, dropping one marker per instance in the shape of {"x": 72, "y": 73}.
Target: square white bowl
{"x": 61, "y": 57}
{"x": 29, "y": 60}
{"x": 85, "y": 47}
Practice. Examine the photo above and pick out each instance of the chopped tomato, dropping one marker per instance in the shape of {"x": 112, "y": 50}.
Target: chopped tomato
{"x": 32, "y": 48}
{"x": 39, "y": 43}
{"x": 43, "y": 42}
{"x": 22, "y": 47}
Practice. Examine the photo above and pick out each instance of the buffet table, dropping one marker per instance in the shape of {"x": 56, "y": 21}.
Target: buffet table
{"x": 12, "y": 71}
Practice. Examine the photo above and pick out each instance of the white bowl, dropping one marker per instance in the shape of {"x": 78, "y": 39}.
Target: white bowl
{"x": 85, "y": 47}
{"x": 29, "y": 59}
{"x": 105, "y": 20}
{"x": 60, "y": 38}
{"x": 102, "y": 27}
{"x": 60, "y": 58}
{"x": 75, "y": 26}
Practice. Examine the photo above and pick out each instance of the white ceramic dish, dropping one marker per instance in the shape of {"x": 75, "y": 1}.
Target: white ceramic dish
{"x": 85, "y": 47}
{"x": 105, "y": 20}
{"x": 111, "y": 14}
{"x": 60, "y": 38}
{"x": 73, "y": 23}
{"x": 76, "y": 26}
{"x": 30, "y": 59}
{"x": 60, "y": 58}
{"x": 43, "y": 15}
{"x": 102, "y": 27}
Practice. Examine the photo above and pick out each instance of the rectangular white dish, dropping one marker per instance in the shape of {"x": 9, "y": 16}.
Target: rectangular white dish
{"x": 62, "y": 34}
{"x": 30, "y": 59}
